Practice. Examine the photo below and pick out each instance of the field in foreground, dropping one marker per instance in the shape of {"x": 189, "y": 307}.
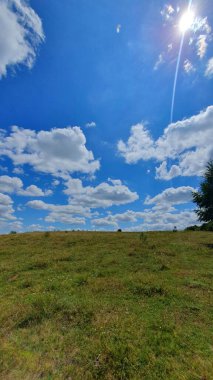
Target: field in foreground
{"x": 81, "y": 305}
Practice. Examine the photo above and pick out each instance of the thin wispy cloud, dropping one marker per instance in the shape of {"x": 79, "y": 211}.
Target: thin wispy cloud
{"x": 209, "y": 69}
{"x": 118, "y": 28}
{"x": 91, "y": 124}
{"x": 159, "y": 62}
{"x": 188, "y": 67}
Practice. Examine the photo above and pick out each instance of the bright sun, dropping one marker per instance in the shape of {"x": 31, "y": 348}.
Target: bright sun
{"x": 186, "y": 21}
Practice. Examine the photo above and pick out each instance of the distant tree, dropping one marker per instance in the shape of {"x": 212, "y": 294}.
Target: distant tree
{"x": 204, "y": 197}
{"x": 119, "y": 230}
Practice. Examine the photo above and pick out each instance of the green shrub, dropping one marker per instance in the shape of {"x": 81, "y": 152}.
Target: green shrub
{"x": 143, "y": 237}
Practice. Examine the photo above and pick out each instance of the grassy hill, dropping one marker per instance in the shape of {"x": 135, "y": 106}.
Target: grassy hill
{"x": 83, "y": 305}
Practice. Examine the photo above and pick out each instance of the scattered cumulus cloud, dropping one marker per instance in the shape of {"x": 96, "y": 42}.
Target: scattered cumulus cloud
{"x": 188, "y": 142}
{"x": 161, "y": 216}
{"x": 171, "y": 196}
{"x": 65, "y": 214}
{"x": 58, "y": 151}
{"x": 82, "y": 199}
{"x": 15, "y": 185}
{"x": 161, "y": 221}
{"x": 6, "y": 208}
{"x": 21, "y": 35}
{"x": 103, "y": 195}
{"x": 8, "y": 220}
{"x": 158, "y": 219}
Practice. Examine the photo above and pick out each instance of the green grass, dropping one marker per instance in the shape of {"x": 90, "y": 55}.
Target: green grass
{"x": 83, "y": 305}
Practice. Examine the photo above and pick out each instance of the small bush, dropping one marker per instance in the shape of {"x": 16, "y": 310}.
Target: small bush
{"x": 47, "y": 234}
{"x": 119, "y": 230}
{"x": 143, "y": 237}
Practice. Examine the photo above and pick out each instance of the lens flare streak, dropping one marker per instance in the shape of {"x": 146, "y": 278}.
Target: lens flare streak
{"x": 184, "y": 29}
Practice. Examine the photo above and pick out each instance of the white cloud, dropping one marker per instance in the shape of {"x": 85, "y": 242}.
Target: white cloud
{"x": 68, "y": 214}
{"x": 118, "y": 28}
{"x": 114, "y": 220}
{"x": 154, "y": 219}
{"x": 38, "y": 227}
{"x": 58, "y": 151}
{"x": 170, "y": 47}
{"x": 202, "y": 35}
{"x": 201, "y": 24}
{"x": 167, "y": 11}
{"x": 34, "y": 191}
{"x": 8, "y": 220}
{"x": 209, "y": 68}
{"x": 15, "y": 185}
{"x": 34, "y": 227}
{"x": 91, "y": 124}
{"x": 201, "y": 45}
{"x": 64, "y": 219}
{"x": 161, "y": 216}
{"x": 188, "y": 67}
{"x": 103, "y": 195}
{"x": 172, "y": 196}
{"x": 82, "y": 199}
{"x": 159, "y": 62}
{"x": 199, "y": 35}
{"x": 6, "y": 227}
{"x": 188, "y": 142}
{"x": 6, "y": 208}
{"x": 55, "y": 182}
{"x": 140, "y": 145}
{"x": 19, "y": 171}
{"x": 21, "y": 33}
{"x": 163, "y": 173}
{"x": 161, "y": 221}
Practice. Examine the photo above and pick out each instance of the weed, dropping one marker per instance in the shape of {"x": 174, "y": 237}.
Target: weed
{"x": 38, "y": 265}
{"x": 148, "y": 291}
{"x": 143, "y": 237}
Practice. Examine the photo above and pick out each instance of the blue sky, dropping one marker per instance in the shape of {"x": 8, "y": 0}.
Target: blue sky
{"x": 86, "y": 136}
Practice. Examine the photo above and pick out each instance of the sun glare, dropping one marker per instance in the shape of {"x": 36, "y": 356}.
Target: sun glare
{"x": 186, "y": 21}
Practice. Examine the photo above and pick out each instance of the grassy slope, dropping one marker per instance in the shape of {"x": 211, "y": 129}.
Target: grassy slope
{"x": 106, "y": 306}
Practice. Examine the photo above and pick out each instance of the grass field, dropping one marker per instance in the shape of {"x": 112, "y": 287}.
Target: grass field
{"x": 83, "y": 305}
